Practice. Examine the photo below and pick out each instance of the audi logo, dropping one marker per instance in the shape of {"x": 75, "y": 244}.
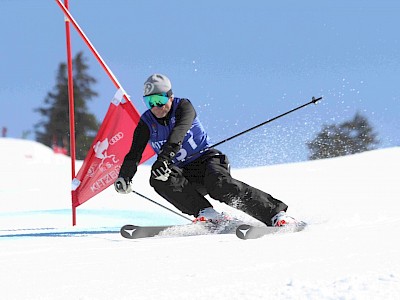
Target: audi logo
{"x": 116, "y": 138}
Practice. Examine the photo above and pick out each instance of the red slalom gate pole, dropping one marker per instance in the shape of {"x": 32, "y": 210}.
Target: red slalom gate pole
{"x": 70, "y": 19}
{"x": 71, "y": 110}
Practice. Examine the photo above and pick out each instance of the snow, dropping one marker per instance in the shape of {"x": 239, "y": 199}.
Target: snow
{"x": 350, "y": 250}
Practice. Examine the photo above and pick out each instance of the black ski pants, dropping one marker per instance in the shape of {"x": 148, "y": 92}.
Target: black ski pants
{"x": 210, "y": 174}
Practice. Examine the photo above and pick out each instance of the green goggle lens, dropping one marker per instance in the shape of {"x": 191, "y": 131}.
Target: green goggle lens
{"x": 156, "y": 100}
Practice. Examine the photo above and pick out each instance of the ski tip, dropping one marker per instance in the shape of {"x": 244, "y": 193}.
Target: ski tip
{"x": 241, "y": 231}
{"x": 127, "y": 231}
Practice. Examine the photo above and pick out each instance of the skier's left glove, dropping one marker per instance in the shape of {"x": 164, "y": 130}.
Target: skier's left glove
{"x": 160, "y": 170}
{"x": 123, "y": 185}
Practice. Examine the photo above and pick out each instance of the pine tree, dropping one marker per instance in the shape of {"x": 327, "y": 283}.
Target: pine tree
{"x": 349, "y": 137}
{"x": 53, "y": 129}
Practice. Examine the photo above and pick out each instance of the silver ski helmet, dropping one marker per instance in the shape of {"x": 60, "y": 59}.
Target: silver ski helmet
{"x": 157, "y": 84}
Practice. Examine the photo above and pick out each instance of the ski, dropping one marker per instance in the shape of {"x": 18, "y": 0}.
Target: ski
{"x": 247, "y": 232}
{"x": 136, "y": 232}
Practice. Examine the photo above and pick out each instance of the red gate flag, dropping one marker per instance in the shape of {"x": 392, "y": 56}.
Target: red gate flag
{"x": 102, "y": 164}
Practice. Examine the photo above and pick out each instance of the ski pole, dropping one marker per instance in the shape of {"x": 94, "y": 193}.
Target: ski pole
{"x": 147, "y": 198}
{"x": 313, "y": 101}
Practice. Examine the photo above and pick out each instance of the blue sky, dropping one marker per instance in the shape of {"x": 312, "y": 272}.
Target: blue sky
{"x": 240, "y": 63}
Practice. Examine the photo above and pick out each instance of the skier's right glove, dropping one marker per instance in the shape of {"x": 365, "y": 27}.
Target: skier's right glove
{"x": 123, "y": 185}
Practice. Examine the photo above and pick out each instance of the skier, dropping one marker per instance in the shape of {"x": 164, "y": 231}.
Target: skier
{"x": 182, "y": 174}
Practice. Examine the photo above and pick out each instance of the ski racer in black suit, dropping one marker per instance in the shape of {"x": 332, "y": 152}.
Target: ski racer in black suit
{"x": 183, "y": 174}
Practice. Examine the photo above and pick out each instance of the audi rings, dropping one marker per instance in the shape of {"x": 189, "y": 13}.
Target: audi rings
{"x": 116, "y": 138}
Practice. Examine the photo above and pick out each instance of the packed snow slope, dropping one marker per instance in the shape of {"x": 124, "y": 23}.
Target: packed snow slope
{"x": 351, "y": 249}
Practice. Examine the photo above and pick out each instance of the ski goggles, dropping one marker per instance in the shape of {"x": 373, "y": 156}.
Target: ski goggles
{"x": 158, "y": 100}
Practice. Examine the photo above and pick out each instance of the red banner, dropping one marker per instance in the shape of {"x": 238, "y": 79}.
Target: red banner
{"x": 102, "y": 164}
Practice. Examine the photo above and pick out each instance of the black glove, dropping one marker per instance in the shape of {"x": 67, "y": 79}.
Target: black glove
{"x": 123, "y": 185}
{"x": 160, "y": 170}
{"x": 168, "y": 152}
